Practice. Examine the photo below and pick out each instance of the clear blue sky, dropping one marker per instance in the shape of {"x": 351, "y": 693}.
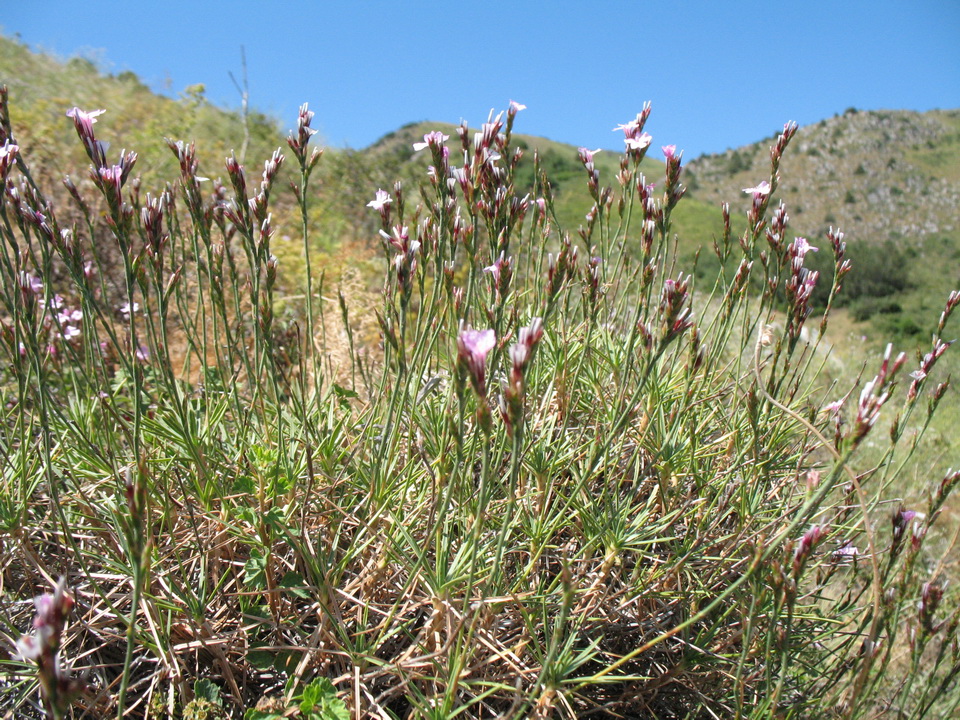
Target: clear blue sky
{"x": 719, "y": 73}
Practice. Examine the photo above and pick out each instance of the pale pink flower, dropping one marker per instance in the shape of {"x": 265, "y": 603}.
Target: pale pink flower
{"x": 473, "y": 346}
{"x": 669, "y": 151}
{"x": 432, "y": 138}
{"x": 476, "y": 344}
{"x": 638, "y": 143}
{"x": 586, "y": 156}
{"x": 488, "y": 156}
{"x": 381, "y": 200}
{"x": 633, "y": 127}
{"x": 801, "y": 247}
{"x": 7, "y": 154}
{"x": 629, "y": 128}
{"x": 71, "y": 316}
{"x": 8, "y": 150}
{"x": 834, "y": 407}
{"x": 495, "y": 269}
{"x": 847, "y": 551}
{"x": 516, "y": 107}
{"x": 125, "y": 308}
{"x": 84, "y": 120}
{"x": 762, "y": 189}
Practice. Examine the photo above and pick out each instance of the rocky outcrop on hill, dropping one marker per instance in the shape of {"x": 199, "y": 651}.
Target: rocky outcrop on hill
{"x": 879, "y": 175}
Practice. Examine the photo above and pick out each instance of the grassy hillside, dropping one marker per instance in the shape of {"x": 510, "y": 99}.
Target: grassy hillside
{"x": 42, "y": 88}
{"x": 694, "y": 221}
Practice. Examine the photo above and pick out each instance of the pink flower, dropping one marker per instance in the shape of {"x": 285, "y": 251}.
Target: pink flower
{"x": 7, "y": 154}
{"x": 8, "y": 150}
{"x": 477, "y": 344}
{"x": 495, "y": 269}
{"x": 586, "y": 156}
{"x": 473, "y": 347}
{"x": 433, "y": 138}
{"x": 400, "y": 239}
{"x": 669, "y": 151}
{"x": 84, "y": 120}
{"x": 381, "y": 200}
{"x": 801, "y": 247}
{"x": 761, "y": 190}
{"x": 632, "y": 128}
{"x": 834, "y": 407}
{"x": 516, "y": 107}
{"x": 849, "y": 550}
{"x": 629, "y": 128}
{"x": 638, "y": 143}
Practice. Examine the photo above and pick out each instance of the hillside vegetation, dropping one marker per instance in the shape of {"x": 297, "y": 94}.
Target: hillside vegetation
{"x": 891, "y": 181}
{"x": 888, "y": 179}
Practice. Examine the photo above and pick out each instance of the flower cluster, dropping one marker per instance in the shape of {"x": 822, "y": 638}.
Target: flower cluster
{"x": 875, "y": 394}
{"x": 521, "y": 352}
{"x": 902, "y": 520}
{"x": 799, "y": 286}
{"x": 67, "y": 319}
{"x": 803, "y": 551}
{"x": 926, "y": 365}
{"x": 473, "y": 346}
{"x": 298, "y": 142}
{"x": 441, "y": 154}
{"x": 636, "y": 141}
{"x": 930, "y": 596}
{"x": 952, "y": 301}
{"x": 43, "y": 647}
{"x": 405, "y": 261}
{"x": 560, "y": 268}
{"x": 593, "y": 175}
{"x": 673, "y": 190}
{"x": 108, "y": 178}
{"x": 675, "y": 309}
{"x": 8, "y": 156}
{"x": 501, "y": 272}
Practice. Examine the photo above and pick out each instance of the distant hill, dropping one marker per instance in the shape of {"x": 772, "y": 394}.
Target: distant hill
{"x": 559, "y": 160}
{"x": 880, "y": 175}
{"x": 889, "y": 179}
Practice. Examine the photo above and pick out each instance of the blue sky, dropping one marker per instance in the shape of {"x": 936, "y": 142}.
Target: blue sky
{"x": 719, "y": 73}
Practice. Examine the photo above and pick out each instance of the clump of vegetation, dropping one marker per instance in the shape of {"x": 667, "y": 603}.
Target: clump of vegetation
{"x": 565, "y": 482}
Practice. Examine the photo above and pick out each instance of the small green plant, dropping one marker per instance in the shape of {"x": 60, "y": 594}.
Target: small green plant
{"x": 316, "y": 701}
{"x": 206, "y": 704}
